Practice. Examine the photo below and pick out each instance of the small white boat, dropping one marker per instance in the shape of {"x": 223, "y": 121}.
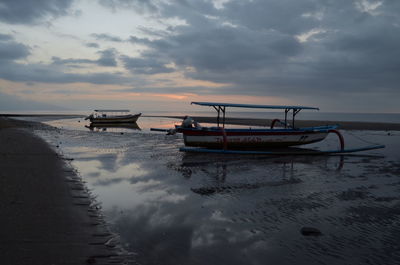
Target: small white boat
{"x": 106, "y": 116}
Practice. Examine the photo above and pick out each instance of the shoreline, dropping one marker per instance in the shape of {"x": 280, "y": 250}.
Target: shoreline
{"x": 49, "y": 216}
{"x": 278, "y": 196}
{"x": 43, "y": 115}
{"x": 345, "y": 125}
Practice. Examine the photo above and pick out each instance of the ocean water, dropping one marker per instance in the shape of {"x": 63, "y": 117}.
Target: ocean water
{"x": 303, "y": 115}
{"x": 170, "y": 207}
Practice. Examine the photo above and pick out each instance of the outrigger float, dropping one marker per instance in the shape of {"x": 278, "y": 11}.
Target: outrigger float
{"x": 266, "y": 141}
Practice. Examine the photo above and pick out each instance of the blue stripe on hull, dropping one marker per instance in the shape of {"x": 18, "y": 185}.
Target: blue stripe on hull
{"x": 285, "y": 152}
{"x": 290, "y": 130}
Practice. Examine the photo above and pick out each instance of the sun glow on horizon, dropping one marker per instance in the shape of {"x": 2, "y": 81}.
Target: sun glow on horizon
{"x": 67, "y": 95}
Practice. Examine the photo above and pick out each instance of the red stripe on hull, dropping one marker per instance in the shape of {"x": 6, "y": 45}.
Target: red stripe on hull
{"x": 247, "y": 146}
{"x": 219, "y": 133}
{"x": 252, "y": 141}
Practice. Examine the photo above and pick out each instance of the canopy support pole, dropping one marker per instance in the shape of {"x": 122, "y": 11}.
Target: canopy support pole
{"x": 295, "y": 111}
{"x": 223, "y": 119}
{"x": 286, "y": 112}
{"x": 220, "y": 109}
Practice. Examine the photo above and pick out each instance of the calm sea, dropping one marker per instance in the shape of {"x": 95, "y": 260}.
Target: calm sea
{"x": 304, "y": 115}
{"x": 323, "y": 116}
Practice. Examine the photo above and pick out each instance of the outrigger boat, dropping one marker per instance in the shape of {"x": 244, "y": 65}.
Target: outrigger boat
{"x": 106, "y": 116}
{"x": 273, "y": 140}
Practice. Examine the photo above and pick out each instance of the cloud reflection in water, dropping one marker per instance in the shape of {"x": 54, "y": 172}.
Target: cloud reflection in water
{"x": 175, "y": 208}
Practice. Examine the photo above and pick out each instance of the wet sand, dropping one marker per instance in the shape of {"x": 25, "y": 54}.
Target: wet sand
{"x": 48, "y": 216}
{"x": 345, "y": 125}
{"x": 173, "y": 208}
{"x": 177, "y": 208}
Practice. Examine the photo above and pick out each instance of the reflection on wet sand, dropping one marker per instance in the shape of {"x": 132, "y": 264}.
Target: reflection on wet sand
{"x": 191, "y": 161}
{"x": 221, "y": 170}
{"x": 254, "y": 208}
{"x": 242, "y": 186}
{"x": 113, "y": 127}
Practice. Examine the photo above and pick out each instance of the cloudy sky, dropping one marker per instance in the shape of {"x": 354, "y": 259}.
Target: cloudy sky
{"x": 340, "y": 55}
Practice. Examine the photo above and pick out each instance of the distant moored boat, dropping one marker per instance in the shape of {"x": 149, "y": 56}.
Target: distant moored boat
{"x": 105, "y": 116}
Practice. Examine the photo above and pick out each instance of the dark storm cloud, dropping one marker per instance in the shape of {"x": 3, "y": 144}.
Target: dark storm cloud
{"x": 11, "y": 50}
{"x": 346, "y": 47}
{"x": 136, "y": 40}
{"x": 50, "y": 74}
{"x": 59, "y": 61}
{"x": 284, "y": 16}
{"x": 5, "y": 37}
{"x": 140, "y": 6}
{"x": 254, "y": 45}
{"x": 107, "y": 37}
{"x": 107, "y": 58}
{"x": 210, "y": 46}
{"x": 27, "y": 12}
{"x": 148, "y": 65}
{"x": 55, "y": 72}
{"x": 92, "y": 45}
{"x": 11, "y": 70}
{"x": 171, "y": 89}
{"x": 228, "y": 49}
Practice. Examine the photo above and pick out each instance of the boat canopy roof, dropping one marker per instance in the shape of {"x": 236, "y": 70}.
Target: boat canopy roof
{"x": 218, "y": 104}
{"x": 111, "y": 110}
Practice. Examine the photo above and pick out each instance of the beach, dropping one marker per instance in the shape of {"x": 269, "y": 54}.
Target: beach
{"x": 200, "y": 132}
{"x": 170, "y": 207}
{"x": 47, "y": 214}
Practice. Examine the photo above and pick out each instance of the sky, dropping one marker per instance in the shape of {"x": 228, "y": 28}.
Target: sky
{"x": 154, "y": 55}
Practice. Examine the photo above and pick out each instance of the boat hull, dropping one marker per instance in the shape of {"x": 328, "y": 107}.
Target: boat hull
{"x": 251, "y": 139}
{"x": 115, "y": 119}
